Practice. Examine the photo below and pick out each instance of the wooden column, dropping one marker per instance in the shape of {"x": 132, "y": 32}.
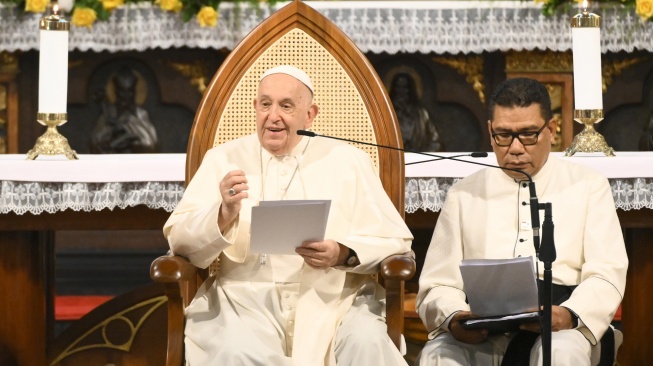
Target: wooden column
{"x": 636, "y": 319}
{"x": 26, "y": 297}
{"x": 27, "y": 273}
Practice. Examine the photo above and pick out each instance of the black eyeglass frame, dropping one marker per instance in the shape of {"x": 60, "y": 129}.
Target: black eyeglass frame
{"x": 517, "y": 135}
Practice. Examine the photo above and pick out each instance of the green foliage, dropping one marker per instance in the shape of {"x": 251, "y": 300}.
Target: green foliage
{"x": 189, "y": 9}
{"x": 551, "y": 7}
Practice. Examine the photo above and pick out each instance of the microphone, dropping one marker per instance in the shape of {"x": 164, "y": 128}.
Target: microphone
{"x": 476, "y": 154}
{"x": 534, "y": 203}
{"x": 479, "y": 154}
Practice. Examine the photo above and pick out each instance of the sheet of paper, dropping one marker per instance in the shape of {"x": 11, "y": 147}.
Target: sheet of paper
{"x": 278, "y": 227}
{"x": 497, "y": 287}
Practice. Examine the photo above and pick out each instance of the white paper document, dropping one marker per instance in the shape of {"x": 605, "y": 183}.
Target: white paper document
{"x": 278, "y": 227}
{"x": 497, "y": 287}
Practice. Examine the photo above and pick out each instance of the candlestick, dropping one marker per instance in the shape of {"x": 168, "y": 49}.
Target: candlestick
{"x": 588, "y": 89}
{"x": 53, "y": 86}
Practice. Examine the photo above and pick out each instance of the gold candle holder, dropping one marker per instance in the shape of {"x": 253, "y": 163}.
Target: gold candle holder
{"x": 589, "y": 140}
{"x": 52, "y": 142}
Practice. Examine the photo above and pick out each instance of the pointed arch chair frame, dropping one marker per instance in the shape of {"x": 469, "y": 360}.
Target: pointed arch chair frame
{"x": 297, "y": 32}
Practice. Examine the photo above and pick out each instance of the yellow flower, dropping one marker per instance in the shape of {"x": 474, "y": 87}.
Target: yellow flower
{"x": 644, "y": 9}
{"x": 83, "y": 17}
{"x": 112, "y": 4}
{"x": 36, "y": 6}
{"x": 207, "y": 16}
{"x": 170, "y": 5}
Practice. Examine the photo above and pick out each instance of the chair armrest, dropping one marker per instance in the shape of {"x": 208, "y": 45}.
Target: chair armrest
{"x": 172, "y": 268}
{"x": 399, "y": 267}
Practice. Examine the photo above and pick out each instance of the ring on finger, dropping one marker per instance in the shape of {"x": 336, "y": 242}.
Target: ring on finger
{"x": 232, "y": 191}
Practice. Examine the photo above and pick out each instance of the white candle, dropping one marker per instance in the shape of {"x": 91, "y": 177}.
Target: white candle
{"x": 53, "y": 64}
{"x": 586, "y": 38}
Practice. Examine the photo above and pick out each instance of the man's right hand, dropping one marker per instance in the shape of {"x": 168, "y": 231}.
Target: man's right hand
{"x": 233, "y": 189}
{"x": 471, "y": 336}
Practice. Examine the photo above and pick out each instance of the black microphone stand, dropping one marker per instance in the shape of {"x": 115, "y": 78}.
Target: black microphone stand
{"x": 547, "y": 256}
{"x": 545, "y": 252}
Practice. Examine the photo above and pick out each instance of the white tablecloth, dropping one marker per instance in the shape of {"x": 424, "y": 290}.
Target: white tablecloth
{"x": 630, "y": 175}
{"x": 97, "y": 182}
{"x": 94, "y": 182}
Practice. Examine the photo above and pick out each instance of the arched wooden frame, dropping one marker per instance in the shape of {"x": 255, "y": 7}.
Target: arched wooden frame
{"x": 181, "y": 277}
{"x": 297, "y": 15}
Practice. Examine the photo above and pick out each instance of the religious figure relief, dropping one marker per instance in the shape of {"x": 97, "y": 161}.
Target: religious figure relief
{"x": 629, "y": 127}
{"x": 417, "y": 129}
{"x": 124, "y": 126}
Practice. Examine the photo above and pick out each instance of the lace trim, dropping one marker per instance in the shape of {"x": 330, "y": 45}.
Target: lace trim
{"x": 36, "y": 198}
{"x": 428, "y": 194}
{"x": 440, "y": 27}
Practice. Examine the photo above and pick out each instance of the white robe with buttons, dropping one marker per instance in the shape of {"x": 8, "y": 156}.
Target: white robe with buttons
{"x": 484, "y": 216}
{"x": 306, "y": 304}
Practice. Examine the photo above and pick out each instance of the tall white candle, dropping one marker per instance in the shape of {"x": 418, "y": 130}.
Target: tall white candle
{"x": 53, "y": 64}
{"x": 586, "y": 38}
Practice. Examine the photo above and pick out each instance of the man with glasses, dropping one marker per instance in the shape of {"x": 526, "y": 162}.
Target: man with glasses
{"x": 487, "y": 215}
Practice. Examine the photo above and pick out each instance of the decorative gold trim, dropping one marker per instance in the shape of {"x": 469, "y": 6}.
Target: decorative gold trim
{"x": 196, "y": 72}
{"x": 51, "y": 117}
{"x": 586, "y": 20}
{"x": 54, "y": 22}
{"x": 8, "y": 62}
{"x": 580, "y": 114}
{"x": 610, "y": 70}
{"x": 102, "y": 327}
{"x": 539, "y": 62}
{"x": 469, "y": 66}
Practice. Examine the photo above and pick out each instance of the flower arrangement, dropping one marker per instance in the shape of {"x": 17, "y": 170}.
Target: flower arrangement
{"x": 643, "y": 8}
{"x": 85, "y": 13}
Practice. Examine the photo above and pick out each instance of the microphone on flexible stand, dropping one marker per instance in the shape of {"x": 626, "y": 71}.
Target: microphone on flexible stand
{"x": 548, "y": 254}
{"x": 479, "y": 154}
{"x": 476, "y": 154}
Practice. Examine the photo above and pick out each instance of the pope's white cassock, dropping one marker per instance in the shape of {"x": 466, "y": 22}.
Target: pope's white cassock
{"x": 304, "y": 305}
{"x": 487, "y": 215}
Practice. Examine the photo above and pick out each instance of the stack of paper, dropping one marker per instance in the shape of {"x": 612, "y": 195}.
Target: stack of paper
{"x": 502, "y": 292}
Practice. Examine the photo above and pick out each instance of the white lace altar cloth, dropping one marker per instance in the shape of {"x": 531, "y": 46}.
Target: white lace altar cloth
{"x": 630, "y": 175}
{"x": 375, "y": 26}
{"x": 92, "y": 183}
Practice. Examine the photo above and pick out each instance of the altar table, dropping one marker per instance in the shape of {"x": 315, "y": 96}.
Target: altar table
{"x": 37, "y": 198}
{"x": 108, "y": 192}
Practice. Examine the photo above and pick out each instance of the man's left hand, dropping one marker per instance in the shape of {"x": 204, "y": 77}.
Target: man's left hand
{"x": 560, "y": 320}
{"x": 320, "y": 254}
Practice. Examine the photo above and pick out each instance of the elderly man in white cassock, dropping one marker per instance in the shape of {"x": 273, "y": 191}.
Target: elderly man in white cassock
{"x": 319, "y": 307}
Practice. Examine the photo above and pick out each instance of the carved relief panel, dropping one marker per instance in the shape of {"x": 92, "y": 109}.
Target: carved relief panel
{"x": 555, "y": 71}
{"x": 8, "y": 103}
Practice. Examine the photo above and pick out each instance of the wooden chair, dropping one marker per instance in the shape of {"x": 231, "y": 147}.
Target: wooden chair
{"x": 353, "y": 104}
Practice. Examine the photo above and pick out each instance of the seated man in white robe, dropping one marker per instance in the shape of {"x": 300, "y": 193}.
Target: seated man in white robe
{"x": 319, "y": 307}
{"x": 487, "y": 216}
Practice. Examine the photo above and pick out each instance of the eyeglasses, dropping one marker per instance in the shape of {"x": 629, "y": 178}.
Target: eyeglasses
{"x": 526, "y": 138}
